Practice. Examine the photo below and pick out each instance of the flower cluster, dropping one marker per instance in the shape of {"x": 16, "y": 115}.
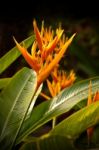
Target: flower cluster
{"x": 47, "y": 50}
{"x": 60, "y": 80}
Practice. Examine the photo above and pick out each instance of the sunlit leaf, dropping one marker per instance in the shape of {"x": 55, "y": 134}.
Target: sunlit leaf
{"x": 74, "y": 125}
{"x": 15, "y": 100}
{"x": 60, "y": 104}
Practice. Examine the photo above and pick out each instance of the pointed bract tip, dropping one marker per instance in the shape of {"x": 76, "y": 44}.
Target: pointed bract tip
{"x": 17, "y": 44}
{"x": 71, "y": 38}
{"x": 34, "y": 23}
{"x": 14, "y": 39}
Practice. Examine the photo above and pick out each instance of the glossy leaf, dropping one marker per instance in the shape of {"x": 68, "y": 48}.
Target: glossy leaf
{"x": 74, "y": 125}
{"x": 13, "y": 54}
{"x": 15, "y": 100}
{"x": 60, "y": 104}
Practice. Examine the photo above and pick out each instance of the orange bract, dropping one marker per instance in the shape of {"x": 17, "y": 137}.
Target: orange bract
{"x": 90, "y": 101}
{"x": 47, "y": 50}
{"x": 60, "y": 80}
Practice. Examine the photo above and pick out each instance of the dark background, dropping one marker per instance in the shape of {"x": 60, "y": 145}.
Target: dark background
{"x": 76, "y": 16}
{"x": 13, "y": 10}
{"x": 17, "y": 14}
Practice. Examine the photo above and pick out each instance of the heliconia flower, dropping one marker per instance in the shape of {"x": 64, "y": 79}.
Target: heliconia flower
{"x": 46, "y": 40}
{"x": 47, "y": 50}
{"x": 45, "y": 73}
{"x": 60, "y": 80}
{"x": 90, "y": 101}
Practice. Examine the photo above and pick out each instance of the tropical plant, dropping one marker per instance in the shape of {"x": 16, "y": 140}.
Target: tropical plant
{"x": 67, "y": 120}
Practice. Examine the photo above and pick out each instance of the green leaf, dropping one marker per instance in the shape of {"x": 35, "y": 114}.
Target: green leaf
{"x": 15, "y": 100}
{"x": 49, "y": 143}
{"x": 4, "y": 82}
{"x": 80, "y": 105}
{"x": 60, "y": 104}
{"x": 74, "y": 125}
{"x": 13, "y": 54}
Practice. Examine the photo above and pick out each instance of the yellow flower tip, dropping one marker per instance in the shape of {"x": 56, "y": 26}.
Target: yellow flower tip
{"x": 42, "y": 28}
{"x": 72, "y": 76}
{"x": 34, "y": 23}
{"x": 72, "y": 37}
{"x": 15, "y": 41}
{"x": 59, "y": 33}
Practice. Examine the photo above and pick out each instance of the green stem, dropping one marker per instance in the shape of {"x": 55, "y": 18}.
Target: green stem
{"x": 53, "y": 122}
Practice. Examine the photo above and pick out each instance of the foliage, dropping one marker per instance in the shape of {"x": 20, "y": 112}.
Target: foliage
{"x": 26, "y": 120}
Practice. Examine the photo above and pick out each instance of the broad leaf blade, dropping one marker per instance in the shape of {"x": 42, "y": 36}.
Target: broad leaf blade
{"x": 13, "y": 54}
{"x": 4, "y": 82}
{"x": 74, "y": 125}
{"x": 49, "y": 143}
{"x": 62, "y": 103}
{"x": 14, "y": 102}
